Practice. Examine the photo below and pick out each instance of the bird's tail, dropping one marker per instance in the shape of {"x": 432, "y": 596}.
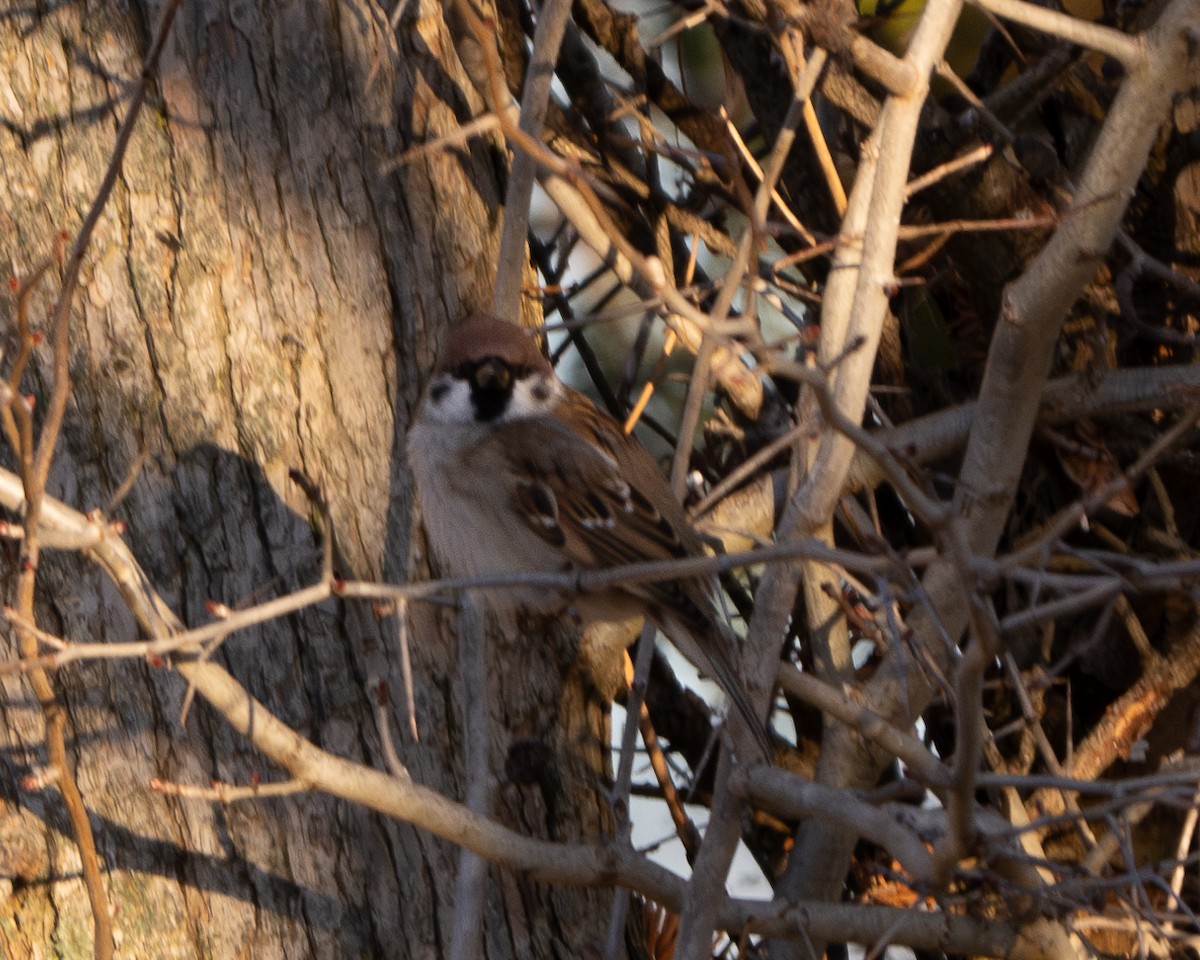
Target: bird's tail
{"x": 713, "y": 648}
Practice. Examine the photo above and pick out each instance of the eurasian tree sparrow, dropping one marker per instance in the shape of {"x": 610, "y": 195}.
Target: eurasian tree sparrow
{"x": 518, "y": 473}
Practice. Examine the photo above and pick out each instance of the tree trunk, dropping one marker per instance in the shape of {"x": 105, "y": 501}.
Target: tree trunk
{"x": 262, "y": 294}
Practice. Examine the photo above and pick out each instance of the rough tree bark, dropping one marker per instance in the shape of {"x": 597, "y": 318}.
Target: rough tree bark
{"x": 262, "y": 293}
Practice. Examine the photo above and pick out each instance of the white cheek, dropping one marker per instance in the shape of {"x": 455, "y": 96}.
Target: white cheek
{"x": 532, "y": 397}
{"x": 449, "y": 401}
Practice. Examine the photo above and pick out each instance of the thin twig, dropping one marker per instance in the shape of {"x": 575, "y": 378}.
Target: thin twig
{"x": 57, "y": 405}
{"x": 36, "y": 470}
{"x": 623, "y": 826}
{"x": 943, "y": 170}
{"x": 1129, "y": 50}
{"x": 469, "y": 889}
{"x": 552, "y": 20}
{"x": 225, "y": 793}
{"x": 406, "y": 670}
{"x": 383, "y": 721}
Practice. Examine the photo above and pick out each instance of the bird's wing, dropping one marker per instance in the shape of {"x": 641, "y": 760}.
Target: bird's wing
{"x": 570, "y": 486}
{"x": 571, "y": 490}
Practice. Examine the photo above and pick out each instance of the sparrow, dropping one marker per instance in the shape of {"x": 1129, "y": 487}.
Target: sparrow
{"x": 518, "y": 473}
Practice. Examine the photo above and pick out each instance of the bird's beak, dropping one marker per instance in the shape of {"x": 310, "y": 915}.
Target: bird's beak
{"x": 492, "y": 375}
